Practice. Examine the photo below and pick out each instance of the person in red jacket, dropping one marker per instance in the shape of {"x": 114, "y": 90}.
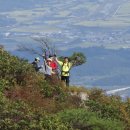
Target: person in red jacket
{"x": 54, "y": 65}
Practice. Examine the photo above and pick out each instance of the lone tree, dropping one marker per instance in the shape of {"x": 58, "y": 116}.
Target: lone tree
{"x": 45, "y": 48}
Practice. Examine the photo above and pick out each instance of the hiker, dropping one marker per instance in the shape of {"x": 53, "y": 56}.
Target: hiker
{"x": 65, "y": 69}
{"x": 54, "y": 65}
{"x": 35, "y": 64}
{"x": 47, "y": 69}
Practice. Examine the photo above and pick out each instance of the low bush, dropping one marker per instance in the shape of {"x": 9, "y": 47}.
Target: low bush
{"x": 103, "y": 110}
{"x": 14, "y": 70}
{"x": 17, "y": 115}
{"x": 83, "y": 119}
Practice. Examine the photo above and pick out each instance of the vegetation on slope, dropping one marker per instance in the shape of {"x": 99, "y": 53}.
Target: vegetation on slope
{"x": 28, "y": 102}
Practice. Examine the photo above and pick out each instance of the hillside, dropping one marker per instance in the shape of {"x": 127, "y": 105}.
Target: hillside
{"x": 28, "y": 102}
{"x": 91, "y": 26}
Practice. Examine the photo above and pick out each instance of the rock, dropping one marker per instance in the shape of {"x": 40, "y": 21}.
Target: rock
{"x": 82, "y": 95}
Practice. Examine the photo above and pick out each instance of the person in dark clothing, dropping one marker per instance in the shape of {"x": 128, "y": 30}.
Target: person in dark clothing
{"x": 35, "y": 64}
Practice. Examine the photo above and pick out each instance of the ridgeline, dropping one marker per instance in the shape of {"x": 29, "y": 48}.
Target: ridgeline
{"x": 29, "y": 102}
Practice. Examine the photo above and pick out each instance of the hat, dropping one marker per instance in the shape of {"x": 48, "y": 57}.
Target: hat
{"x": 49, "y": 59}
{"x": 37, "y": 58}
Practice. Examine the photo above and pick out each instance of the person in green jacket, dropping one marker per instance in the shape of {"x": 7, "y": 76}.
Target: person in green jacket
{"x": 65, "y": 69}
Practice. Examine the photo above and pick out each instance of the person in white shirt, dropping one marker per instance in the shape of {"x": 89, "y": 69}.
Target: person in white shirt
{"x": 47, "y": 69}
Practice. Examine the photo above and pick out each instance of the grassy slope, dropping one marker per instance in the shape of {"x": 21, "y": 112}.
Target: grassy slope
{"x": 29, "y": 102}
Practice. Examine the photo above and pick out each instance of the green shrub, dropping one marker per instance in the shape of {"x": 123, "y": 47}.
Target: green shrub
{"x": 77, "y": 58}
{"x": 13, "y": 69}
{"x": 82, "y": 119}
{"x": 19, "y": 116}
{"x": 3, "y": 85}
{"x": 103, "y": 110}
{"x": 31, "y": 97}
{"x": 96, "y": 94}
{"x": 52, "y": 90}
